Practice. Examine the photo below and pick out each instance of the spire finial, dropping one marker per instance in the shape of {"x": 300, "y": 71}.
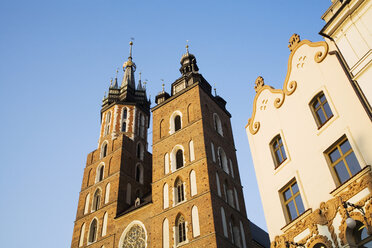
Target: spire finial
{"x": 130, "y": 49}
{"x": 187, "y": 46}
{"x": 162, "y": 84}
{"x": 144, "y": 84}
{"x": 140, "y": 76}
{"x": 215, "y": 90}
{"x": 117, "y": 71}
{"x": 111, "y": 83}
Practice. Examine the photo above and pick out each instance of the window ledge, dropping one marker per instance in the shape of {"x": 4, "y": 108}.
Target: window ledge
{"x": 295, "y": 221}
{"x": 352, "y": 179}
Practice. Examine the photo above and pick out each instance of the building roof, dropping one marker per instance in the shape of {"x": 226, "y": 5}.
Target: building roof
{"x": 259, "y": 235}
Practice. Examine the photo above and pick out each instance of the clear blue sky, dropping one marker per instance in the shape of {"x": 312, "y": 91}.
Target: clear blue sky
{"x": 56, "y": 61}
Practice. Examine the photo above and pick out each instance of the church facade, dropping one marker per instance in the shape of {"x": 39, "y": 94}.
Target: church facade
{"x": 312, "y": 138}
{"x": 187, "y": 193}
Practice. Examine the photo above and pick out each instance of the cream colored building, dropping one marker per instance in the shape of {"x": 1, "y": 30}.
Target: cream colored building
{"x": 349, "y": 27}
{"x": 311, "y": 144}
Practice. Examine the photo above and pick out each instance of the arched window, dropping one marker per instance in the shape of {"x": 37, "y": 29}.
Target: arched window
{"x": 195, "y": 221}
{"x": 231, "y": 168}
{"x": 213, "y": 152}
{"x": 139, "y": 173}
{"x": 320, "y": 109}
{"x": 190, "y": 113}
{"x": 129, "y": 194}
{"x": 218, "y": 185}
{"x": 87, "y": 200}
{"x": 88, "y": 177}
{"x": 277, "y": 150}
{"x": 96, "y": 200}
{"x": 235, "y": 232}
{"x": 217, "y": 124}
{"x": 236, "y": 199}
{"x": 177, "y": 123}
{"x": 223, "y": 217}
{"x": 242, "y": 234}
{"x": 191, "y": 150}
{"x": 93, "y": 231}
{"x": 358, "y": 236}
{"x": 134, "y": 236}
{"x": 161, "y": 129}
{"x": 193, "y": 186}
{"x": 142, "y": 126}
{"x": 140, "y": 151}
{"x": 107, "y": 124}
{"x": 124, "y": 120}
{"x": 100, "y": 173}
{"x": 125, "y": 113}
{"x": 107, "y": 193}
{"x": 165, "y": 233}
{"x": 180, "y": 230}
{"x": 225, "y": 187}
{"x": 165, "y": 196}
{"x": 124, "y": 126}
{"x": 222, "y": 160}
{"x": 104, "y": 149}
{"x": 179, "y": 159}
{"x": 179, "y": 191}
{"x": 166, "y": 163}
{"x": 82, "y": 233}
{"x": 104, "y": 224}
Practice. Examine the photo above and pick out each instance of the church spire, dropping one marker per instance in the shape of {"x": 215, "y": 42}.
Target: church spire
{"x": 129, "y": 68}
{"x": 188, "y": 62}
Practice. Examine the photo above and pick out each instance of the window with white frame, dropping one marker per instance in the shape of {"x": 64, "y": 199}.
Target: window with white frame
{"x": 96, "y": 200}
{"x": 124, "y": 122}
{"x": 107, "y": 123}
{"x": 180, "y": 230}
{"x": 104, "y": 149}
{"x": 92, "y": 237}
{"x": 217, "y": 124}
{"x": 175, "y": 122}
{"x": 179, "y": 191}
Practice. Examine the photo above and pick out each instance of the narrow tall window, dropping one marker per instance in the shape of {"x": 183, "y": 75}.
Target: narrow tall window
{"x": 321, "y": 110}
{"x": 217, "y": 124}
{"x": 124, "y": 126}
{"x": 293, "y": 201}
{"x": 179, "y": 159}
{"x": 191, "y": 151}
{"x": 179, "y": 192}
{"x": 165, "y": 196}
{"x": 129, "y": 194}
{"x": 181, "y": 229}
{"x": 107, "y": 124}
{"x": 93, "y": 231}
{"x": 104, "y": 150}
{"x": 222, "y": 160}
{"x": 82, "y": 233}
{"x": 139, "y": 173}
{"x": 277, "y": 149}
{"x": 86, "y": 207}
{"x": 343, "y": 160}
{"x": 177, "y": 123}
{"x": 96, "y": 200}
{"x": 107, "y": 193}
{"x": 101, "y": 171}
{"x": 224, "y": 225}
{"x": 193, "y": 184}
{"x": 166, "y": 163}
{"x": 195, "y": 221}
{"x": 140, "y": 151}
{"x": 165, "y": 233}
{"x": 124, "y": 120}
{"x": 125, "y": 114}
{"x": 104, "y": 224}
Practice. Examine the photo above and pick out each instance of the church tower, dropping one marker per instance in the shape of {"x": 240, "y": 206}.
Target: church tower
{"x": 196, "y": 188}
{"x": 118, "y": 172}
{"x": 188, "y": 193}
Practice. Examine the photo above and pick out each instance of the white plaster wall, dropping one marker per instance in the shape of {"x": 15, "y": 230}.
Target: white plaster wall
{"x": 304, "y": 143}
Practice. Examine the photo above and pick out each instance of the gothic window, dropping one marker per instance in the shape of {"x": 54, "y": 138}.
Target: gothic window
{"x": 277, "y": 150}
{"x": 96, "y": 200}
{"x": 88, "y": 177}
{"x": 218, "y": 185}
{"x": 225, "y": 190}
{"x": 139, "y": 173}
{"x": 87, "y": 200}
{"x": 195, "y": 221}
{"x": 213, "y": 152}
{"x": 320, "y": 109}
{"x": 193, "y": 186}
{"x": 217, "y": 124}
{"x": 242, "y": 234}
{"x": 235, "y": 232}
{"x": 161, "y": 129}
{"x": 179, "y": 191}
{"x": 100, "y": 173}
{"x": 166, "y": 163}
{"x": 224, "y": 226}
{"x": 135, "y": 237}
{"x": 177, "y": 123}
{"x": 107, "y": 123}
{"x": 165, "y": 196}
{"x": 104, "y": 150}
{"x": 142, "y": 126}
{"x": 124, "y": 126}
{"x": 93, "y": 231}
{"x": 104, "y": 224}
{"x": 343, "y": 160}
{"x": 125, "y": 113}
{"x": 179, "y": 159}
{"x": 292, "y": 200}
{"x": 165, "y": 233}
{"x": 222, "y": 160}
{"x": 107, "y": 193}
{"x": 180, "y": 230}
{"x": 191, "y": 150}
{"x": 140, "y": 151}
{"x": 82, "y": 233}
{"x": 231, "y": 168}
{"x": 124, "y": 120}
{"x": 236, "y": 199}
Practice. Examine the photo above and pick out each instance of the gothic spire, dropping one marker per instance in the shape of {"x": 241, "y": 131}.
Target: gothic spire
{"x": 129, "y": 68}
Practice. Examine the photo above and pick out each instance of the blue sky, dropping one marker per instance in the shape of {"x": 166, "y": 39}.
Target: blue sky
{"x": 56, "y": 61}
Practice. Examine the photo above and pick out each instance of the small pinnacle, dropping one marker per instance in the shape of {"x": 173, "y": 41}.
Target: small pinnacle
{"x": 187, "y": 46}
{"x": 111, "y": 83}
{"x": 163, "y": 86}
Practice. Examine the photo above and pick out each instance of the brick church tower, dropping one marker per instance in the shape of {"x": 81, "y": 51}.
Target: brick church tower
{"x": 186, "y": 194}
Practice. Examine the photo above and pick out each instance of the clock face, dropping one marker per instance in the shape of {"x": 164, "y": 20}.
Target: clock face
{"x": 135, "y": 238}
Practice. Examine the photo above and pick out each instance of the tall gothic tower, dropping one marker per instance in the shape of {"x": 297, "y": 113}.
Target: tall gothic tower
{"x": 187, "y": 194}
